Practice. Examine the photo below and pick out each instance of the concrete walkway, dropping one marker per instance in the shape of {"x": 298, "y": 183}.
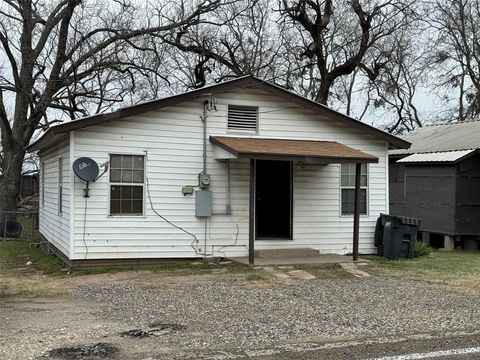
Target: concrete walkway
{"x": 295, "y": 260}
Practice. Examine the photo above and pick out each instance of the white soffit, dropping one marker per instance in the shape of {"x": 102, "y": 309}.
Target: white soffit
{"x": 441, "y": 156}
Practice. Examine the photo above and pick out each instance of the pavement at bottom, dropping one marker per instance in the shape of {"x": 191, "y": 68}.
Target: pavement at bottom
{"x": 459, "y": 345}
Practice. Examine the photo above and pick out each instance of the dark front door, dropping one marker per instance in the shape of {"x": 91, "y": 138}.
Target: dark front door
{"x": 273, "y": 202}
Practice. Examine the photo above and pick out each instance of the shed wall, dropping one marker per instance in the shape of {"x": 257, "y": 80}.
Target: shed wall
{"x": 426, "y": 192}
{"x": 467, "y": 216}
{"x": 171, "y": 138}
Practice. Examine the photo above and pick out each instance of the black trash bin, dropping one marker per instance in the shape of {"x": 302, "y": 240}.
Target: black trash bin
{"x": 395, "y": 236}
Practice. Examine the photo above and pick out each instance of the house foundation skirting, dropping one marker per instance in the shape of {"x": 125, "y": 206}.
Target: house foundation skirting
{"x": 49, "y": 248}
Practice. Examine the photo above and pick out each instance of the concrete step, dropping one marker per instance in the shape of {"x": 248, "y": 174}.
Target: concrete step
{"x": 285, "y": 253}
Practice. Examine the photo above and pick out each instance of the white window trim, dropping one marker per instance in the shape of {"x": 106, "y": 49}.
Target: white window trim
{"x": 144, "y": 192}
{"x": 42, "y": 170}
{"x": 60, "y": 186}
{"x": 367, "y": 205}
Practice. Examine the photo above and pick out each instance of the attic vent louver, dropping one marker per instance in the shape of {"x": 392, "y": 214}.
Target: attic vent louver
{"x": 243, "y": 118}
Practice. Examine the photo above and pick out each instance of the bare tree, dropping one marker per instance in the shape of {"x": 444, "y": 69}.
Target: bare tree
{"x": 456, "y": 52}
{"x": 240, "y": 38}
{"x": 73, "y": 57}
{"x": 395, "y": 89}
{"x": 339, "y": 37}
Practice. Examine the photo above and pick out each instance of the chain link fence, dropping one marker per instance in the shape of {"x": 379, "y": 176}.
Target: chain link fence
{"x": 20, "y": 225}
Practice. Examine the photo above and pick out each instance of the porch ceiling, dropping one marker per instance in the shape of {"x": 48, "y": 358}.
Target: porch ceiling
{"x": 288, "y": 149}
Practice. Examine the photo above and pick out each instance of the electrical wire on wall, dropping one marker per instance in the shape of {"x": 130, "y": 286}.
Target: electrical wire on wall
{"x": 195, "y": 239}
{"x": 84, "y": 227}
{"x": 221, "y": 247}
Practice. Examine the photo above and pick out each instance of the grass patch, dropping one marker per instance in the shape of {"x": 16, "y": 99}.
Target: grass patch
{"x": 174, "y": 268}
{"x": 325, "y": 271}
{"x": 255, "y": 277}
{"x": 455, "y": 268}
{"x": 165, "y": 267}
{"x": 421, "y": 249}
{"x": 15, "y": 254}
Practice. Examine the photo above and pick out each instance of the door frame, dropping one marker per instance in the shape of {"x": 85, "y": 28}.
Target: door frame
{"x": 292, "y": 176}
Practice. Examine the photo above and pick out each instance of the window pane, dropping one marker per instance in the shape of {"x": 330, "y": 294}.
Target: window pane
{"x": 114, "y": 192}
{"x": 138, "y": 176}
{"x": 126, "y": 192}
{"x": 127, "y": 162}
{"x": 115, "y": 161}
{"x": 115, "y": 175}
{"x": 364, "y": 169}
{"x": 137, "y": 192}
{"x": 138, "y": 162}
{"x": 126, "y": 206}
{"x": 363, "y": 201}
{"x": 137, "y": 207}
{"x": 114, "y": 206}
{"x": 348, "y": 175}
{"x": 348, "y": 201}
{"x": 127, "y": 176}
{"x": 363, "y": 180}
{"x": 345, "y": 180}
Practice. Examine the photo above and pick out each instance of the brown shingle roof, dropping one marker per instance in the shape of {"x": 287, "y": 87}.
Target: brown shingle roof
{"x": 326, "y": 151}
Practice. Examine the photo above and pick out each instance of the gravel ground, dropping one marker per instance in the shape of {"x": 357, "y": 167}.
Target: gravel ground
{"x": 196, "y": 317}
{"x": 219, "y": 315}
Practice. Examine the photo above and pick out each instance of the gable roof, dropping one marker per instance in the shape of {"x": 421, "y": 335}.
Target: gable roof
{"x": 442, "y": 137}
{"x": 56, "y": 133}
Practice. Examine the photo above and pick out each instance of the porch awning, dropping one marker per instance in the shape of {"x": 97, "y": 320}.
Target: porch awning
{"x": 287, "y": 149}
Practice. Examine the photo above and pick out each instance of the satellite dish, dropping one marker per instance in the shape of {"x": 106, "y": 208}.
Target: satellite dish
{"x": 86, "y": 169}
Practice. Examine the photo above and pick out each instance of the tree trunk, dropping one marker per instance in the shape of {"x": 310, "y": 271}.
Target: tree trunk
{"x": 11, "y": 177}
{"x": 324, "y": 91}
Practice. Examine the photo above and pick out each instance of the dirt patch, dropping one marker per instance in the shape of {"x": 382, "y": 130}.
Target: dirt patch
{"x": 84, "y": 352}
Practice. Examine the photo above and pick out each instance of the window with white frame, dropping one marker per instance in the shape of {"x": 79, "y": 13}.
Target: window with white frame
{"x": 348, "y": 188}
{"x": 60, "y": 185}
{"x": 127, "y": 182}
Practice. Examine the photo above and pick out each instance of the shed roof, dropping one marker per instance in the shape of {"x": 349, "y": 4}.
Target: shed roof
{"x": 287, "y": 149}
{"x": 438, "y": 157}
{"x": 57, "y": 133}
{"x": 443, "y": 137}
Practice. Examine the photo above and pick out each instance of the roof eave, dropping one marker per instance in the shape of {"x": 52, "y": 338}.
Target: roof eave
{"x": 393, "y": 141}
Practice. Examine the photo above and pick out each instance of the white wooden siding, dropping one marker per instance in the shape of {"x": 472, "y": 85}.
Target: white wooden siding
{"x": 55, "y": 227}
{"x": 172, "y": 140}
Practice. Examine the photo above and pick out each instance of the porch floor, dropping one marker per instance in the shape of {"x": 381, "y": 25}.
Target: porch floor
{"x": 292, "y": 260}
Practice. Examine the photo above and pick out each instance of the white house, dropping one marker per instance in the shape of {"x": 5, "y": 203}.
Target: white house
{"x": 269, "y": 169}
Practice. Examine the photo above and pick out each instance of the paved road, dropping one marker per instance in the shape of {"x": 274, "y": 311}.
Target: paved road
{"x": 460, "y": 345}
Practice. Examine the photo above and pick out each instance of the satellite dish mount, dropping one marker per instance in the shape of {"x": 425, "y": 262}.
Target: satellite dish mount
{"x": 87, "y": 170}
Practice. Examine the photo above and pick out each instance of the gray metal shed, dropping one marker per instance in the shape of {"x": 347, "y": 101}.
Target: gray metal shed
{"x": 438, "y": 181}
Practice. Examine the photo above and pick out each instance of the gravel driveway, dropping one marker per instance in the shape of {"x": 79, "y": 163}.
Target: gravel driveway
{"x": 201, "y": 317}
{"x": 218, "y": 315}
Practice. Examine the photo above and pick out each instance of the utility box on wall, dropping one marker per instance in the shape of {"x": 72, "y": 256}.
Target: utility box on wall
{"x": 203, "y": 203}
